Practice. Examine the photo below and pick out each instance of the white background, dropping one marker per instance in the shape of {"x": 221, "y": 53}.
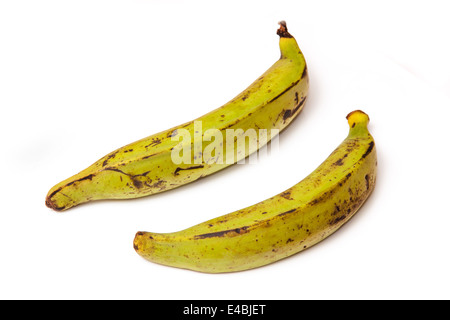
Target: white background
{"x": 79, "y": 79}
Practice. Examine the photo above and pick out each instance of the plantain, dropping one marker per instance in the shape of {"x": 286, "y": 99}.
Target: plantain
{"x": 147, "y": 166}
{"x": 282, "y": 225}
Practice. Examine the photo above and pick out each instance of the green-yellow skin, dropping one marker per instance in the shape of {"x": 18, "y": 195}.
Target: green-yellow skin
{"x": 282, "y": 225}
{"x": 145, "y": 167}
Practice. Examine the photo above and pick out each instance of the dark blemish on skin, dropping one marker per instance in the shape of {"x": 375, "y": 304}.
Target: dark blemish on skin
{"x": 353, "y": 125}
{"x": 189, "y": 168}
{"x": 264, "y": 212}
{"x": 369, "y": 149}
{"x": 340, "y": 162}
{"x": 112, "y": 155}
{"x": 286, "y": 212}
{"x": 338, "y": 219}
{"x": 89, "y": 177}
{"x": 367, "y": 181}
{"x": 285, "y": 90}
{"x": 286, "y": 195}
{"x": 299, "y": 104}
{"x": 149, "y": 156}
{"x": 117, "y": 170}
{"x": 172, "y": 134}
{"x": 222, "y": 233}
{"x": 289, "y": 113}
{"x": 160, "y": 184}
{"x": 138, "y": 184}
{"x": 289, "y": 240}
{"x": 305, "y": 72}
{"x": 155, "y": 141}
{"x": 231, "y": 124}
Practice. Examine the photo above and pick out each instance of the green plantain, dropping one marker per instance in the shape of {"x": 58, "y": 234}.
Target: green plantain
{"x": 282, "y": 225}
{"x": 147, "y": 166}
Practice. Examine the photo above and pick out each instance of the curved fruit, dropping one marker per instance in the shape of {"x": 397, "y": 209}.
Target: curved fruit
{"x": 146, "y": 166}
{"x": 280, "y": 226}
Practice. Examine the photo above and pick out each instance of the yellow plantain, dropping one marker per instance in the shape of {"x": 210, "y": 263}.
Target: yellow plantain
{"x": 146, "y": 166}
{"x": 282, "y": 225}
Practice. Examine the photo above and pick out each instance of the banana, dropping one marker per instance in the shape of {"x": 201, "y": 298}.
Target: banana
{"x": 282, "y": 225}
{"x": 146, "y": 166}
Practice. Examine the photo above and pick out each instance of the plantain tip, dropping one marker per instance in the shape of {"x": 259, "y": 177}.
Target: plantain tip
{"x": 137, "y": 240}
{"x": 52, "y": 205}
{"x": 357, "y": 116}
{"x": 282, "y": 30}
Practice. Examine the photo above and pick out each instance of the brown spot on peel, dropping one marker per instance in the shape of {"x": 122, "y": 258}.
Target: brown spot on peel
{"x": 155, "y": 141}
{"x": 285, "y": 90}
{"x": 178, "y": 169}
{"x": 109, "y": 157}
{"x": 286, "y": 195}
{"x": 289, "y": 113}
{"x": 369, "y": 149}
{"x": 286, "y": 212}
{"x": 88, "y": 177}
{"x": 305, "y": 72}
{"x": 224, "y": 233}
{"x": 134, "y": 177}
{"x": 340, "y": 218}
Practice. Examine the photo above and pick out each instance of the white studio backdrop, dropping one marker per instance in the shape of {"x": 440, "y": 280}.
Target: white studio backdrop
{"x": 79, "y": 79}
